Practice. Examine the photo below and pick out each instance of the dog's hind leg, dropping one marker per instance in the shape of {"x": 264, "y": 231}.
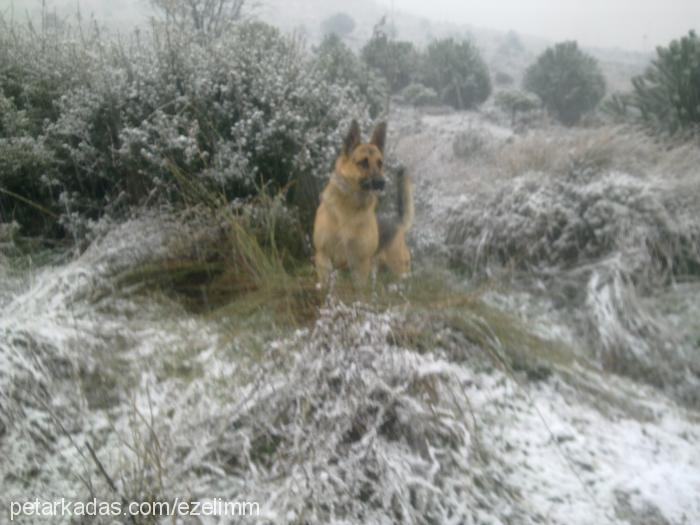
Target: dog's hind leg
{"x": 396, "y": 256}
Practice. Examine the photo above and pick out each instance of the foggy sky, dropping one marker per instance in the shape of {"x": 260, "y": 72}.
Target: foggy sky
{"x": 627, "y": 24}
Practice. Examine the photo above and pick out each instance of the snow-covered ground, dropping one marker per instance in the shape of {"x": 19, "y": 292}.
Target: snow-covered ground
{"x": 588, "y": 447}
{"x": 479, "y": 445}
{"x": 578, "y": 462}
{"x": 533, "y": 404}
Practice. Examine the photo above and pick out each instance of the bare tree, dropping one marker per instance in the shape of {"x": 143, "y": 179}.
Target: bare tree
{"x": 209, "y": 17}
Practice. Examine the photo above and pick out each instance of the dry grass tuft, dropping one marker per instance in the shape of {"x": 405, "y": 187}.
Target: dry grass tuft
{"x": 572, "y": 151}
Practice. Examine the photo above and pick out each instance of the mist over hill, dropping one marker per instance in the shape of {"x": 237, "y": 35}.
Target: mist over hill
{"x": 305, "y": 18}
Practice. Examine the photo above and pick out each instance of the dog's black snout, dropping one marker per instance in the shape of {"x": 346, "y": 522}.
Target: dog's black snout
{"x": 378, "y": 183}
{"x": 373, "y": 183}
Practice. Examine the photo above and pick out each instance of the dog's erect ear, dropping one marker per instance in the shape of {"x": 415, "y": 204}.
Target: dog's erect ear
{"x": 353, "y": 139}
{"x": 379, "y": 136}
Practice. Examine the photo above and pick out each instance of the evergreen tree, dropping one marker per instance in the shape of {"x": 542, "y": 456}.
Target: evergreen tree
{"x": 568, "y": 81}
{"x": 667, "y": 95}
{"x": 457, "y": 72}
{"x": 513, "y": 102}
{"x": 338, "y": 64}
{"x": 395, "y": 61}
{"x": 340, "y": 24}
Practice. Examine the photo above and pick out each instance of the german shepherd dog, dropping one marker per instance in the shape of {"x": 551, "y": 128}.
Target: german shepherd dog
{"x": 347, "y": 232}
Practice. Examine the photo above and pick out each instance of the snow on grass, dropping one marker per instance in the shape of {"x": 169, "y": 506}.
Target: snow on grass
{"x": 578, "y": 473}
{"x": 626, "y": 299}
{"x": 340, "y": 423}
{"x": 337, "y": 424}
{"x": 586, "y": 224}
{"x": 64, "y": 345}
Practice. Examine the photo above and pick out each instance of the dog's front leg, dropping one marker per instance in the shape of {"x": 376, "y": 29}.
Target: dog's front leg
{"x": 324, "y": 267}
{"x": 360, "y": 267}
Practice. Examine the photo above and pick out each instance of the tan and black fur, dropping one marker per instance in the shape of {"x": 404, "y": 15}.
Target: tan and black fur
{"x": 347, "y": 233}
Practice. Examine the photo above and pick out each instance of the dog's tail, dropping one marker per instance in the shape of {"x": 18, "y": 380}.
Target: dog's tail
{"x": 404, "y": 203}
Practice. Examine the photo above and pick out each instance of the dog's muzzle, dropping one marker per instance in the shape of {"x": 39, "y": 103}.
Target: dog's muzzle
{"x": 373, "y": 184}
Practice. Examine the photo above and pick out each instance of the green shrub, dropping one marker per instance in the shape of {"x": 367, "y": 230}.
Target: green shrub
{"x": 502, "y": 78}
{"x": 513, "y": 102}
{"x": 395, "y": 61}
{"x": 618, "y": 107}
{"x": 667, "y": 95}
{"x": 338, "y": 64}
{"x": 456, "y": 71}
{"x": 568, "y": 81}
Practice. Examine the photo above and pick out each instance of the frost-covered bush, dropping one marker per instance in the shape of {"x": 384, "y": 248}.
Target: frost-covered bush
{"x": 470, "y": 142}
{"x": 337, "y": 423}
{"x": 26, "y": 170}
{"x": 148, "y": 119}
{"x": 249, "y": 111}
{"x": 33, "y": 74}
{"x": 35, "y": 71}
{"x": 538, "y": 221}
{"x": 599, "y": 242}
{"x": 205, "y": 17}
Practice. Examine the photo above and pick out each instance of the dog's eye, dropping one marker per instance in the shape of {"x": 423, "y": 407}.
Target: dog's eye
{"x": 364, "y": 163}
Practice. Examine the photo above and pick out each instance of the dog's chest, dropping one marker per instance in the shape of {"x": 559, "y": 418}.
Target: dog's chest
{"x": 354, "y": 236}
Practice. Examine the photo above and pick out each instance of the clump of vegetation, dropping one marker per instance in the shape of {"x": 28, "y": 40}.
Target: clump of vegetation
{"x": 339, "y": 24}
{"x": 569, "y": 82}
{"x": 204, "y": 17}
{"x": 618, "y": 107}
{"x": 456, "y": 71}
{"x": 418, "y": 94}
{"x": 514, "y": 101}
{"x": 93, "y": 125}
{"x": 396, "y": 61}
{"x": 470, "y": 142}
{"x": 667, "y": 95}
{"x": 339, "y": 65}
{"x": 502, "y": 78}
